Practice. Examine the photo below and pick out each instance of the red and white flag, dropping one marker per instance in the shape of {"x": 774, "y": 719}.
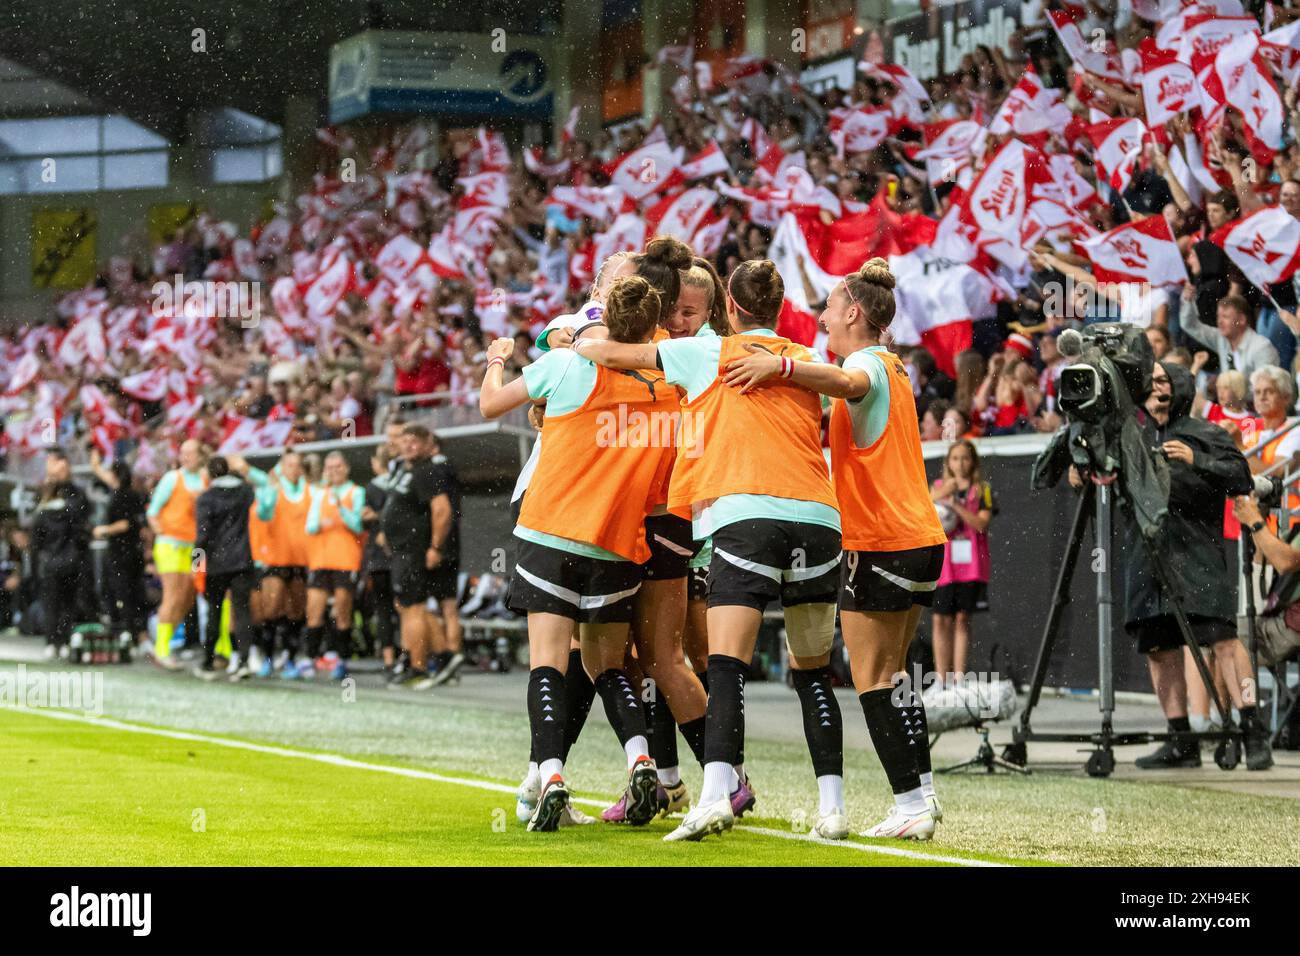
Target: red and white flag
{"x": 1030, "y": 108}
{"x": 1102, "y": 63}
{"x": 950, "y": 146}
{"x": 399, "y": 257}
{"x": 710, "y": 161}
{"x": 680, "y": 215}
{"x": 1142, "y": 252}
{"x": 148, "y": 386}
{"x": 535, "y": 162}
{"x": 1241, "y": 79}
{"x": 645, "y": 170}
{"x": 1282, "y": 48}
{"x": 326, "y": 292}
{"x": 628, "y": 233}
{"x": 996, "y": 204}
{"x": 709, "y": 236}
{"x": 1168, "y": 85}
{"x": 495, "y": 153}
{"x": 250, "y": 434}
{"x": 485, "y": 189}
{"x": 570, "y": 126}
{"x": 860, "y": 130}
{"x": 1265, "y": 245}
{"x": 900, "y": 76}
{"x": 1204, "y": 35}
{"x": 24, "y": 373}
{"x": 1118, "y": 143}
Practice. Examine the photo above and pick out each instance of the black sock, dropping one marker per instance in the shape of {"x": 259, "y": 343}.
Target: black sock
{"x": 724, "y": 722}
{"x": 693, "y": 731}
{"x": 1249, "y": 717}
{"x": 889, "y": 737}
{"x": 920, "y": 727}
{"x": 622, "y": 707}
{"x": 823, "y": 727}
{"x": 579, "y": 692}
{"x": 443, "y": 658}
{"x": 343, "y": 642}
{"x": 314, "y": 637}
{"x": 704, "y": 679}
{"x": 546, "y": 713}
{"x": 1180, "y": 725}
{"x": 663, "y": 732}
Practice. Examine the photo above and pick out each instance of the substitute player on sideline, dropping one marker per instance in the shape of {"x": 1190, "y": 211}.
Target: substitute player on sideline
{"x": 893, "y": 542}
{"x": 172, "y": 517}
{"x": 335, "y": 545}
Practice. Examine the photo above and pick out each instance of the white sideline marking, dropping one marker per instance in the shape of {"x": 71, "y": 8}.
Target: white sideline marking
{"x": 339, "y": 761}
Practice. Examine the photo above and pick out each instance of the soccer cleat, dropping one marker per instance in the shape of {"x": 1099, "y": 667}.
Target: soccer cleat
{"x": 426, "y": 682}
{"x": 903, "y": 826}
{"x": 715, "y": 817}
{"x": 206, "y": 674}
{"x": 339, "y": 672}
{"x": 742, "y": 798}
{"x": 526, "y": 799}
{"x": 638, "y": 804}
{"x": 167, "y": 663}
{"x": 266, "y": 669}
{"x": 550, "y": 806}
{"x": 448, "y": 670}
{"x": 936, "y": 810}
{"x": 1171, "y": 754}
{"x": 832, "y": 826}
{"x": 672, "y": 799}
{"x": 409, "y": 678}
{"x": 289, "y": 671}
{"x": 573, "y": 817}
{"x": 240, "y": 673}
{"x": 306, "y": 668}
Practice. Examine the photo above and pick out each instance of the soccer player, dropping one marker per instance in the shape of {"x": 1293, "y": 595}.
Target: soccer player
{"x": 379, "y": 594}
{"x": 335, "y": 542}
{"x": 893, "y": 542}
{"x": 283, "y": 504}
{"x": 582, "y": 541}
{"x": 760, "y": 487}
{"x": 171, "y": 516}
{"x": 408, "y": 521}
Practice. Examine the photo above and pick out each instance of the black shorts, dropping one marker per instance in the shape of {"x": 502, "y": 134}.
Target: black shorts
{"x": 412, "y": 581}
{"x": 961, "y": 597}
{"x": 586, "y": 590}
{"x": 762, "y": 560}
{"x": 327, "y": 579}
{"x": 889, "y": 580}
{"x": 287, "y": 572}
{"x": 671, "y": 548}
{"x": 697, "y": 586}
{"x": 444, "y": 580}
{"x": 1162, "y": 634}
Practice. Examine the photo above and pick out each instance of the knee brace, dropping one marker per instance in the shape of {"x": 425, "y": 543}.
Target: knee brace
{"x": 810, "y": 629}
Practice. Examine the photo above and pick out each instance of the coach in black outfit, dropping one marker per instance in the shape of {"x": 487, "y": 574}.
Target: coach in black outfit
{"x": 408, "y": 521}
{"x": 222, "y": 540}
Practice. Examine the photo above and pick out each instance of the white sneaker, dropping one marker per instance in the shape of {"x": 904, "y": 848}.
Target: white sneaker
{"x": 306, "y": 668}
{"x": 242, "y": 672}
{"x": 832, "y": 826}
{"x": 424, "y": 683}
{"x": 936, "y": 810}
{"x": 573, "y": 817}
{"x": 715, "y": 817}
{"x": 526, "y": 798}
{"x": 50, "y": 652}
{"x": 903, "y": 826}
{"x": 255, "y": 657}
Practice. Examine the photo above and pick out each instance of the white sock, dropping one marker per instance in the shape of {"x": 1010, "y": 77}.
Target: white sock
{"x": 1200, "y": 722}
{"x": 669, "y": 776}
{"x": 234, "y": 662}
{"x": 912, "y": 802}
{"x": 534, "y": 773}
{"x": 927, "y": 784}
{"x": 831, "y": 789}
{"x": 638, "y": 746}
{"x": 718, "y": 784}
{"x": 554, "y": 767}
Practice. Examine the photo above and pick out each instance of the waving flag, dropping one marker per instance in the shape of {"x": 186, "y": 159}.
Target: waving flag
{"x": 24, "y": 373}
{"x": 1118, "y": 143}
{"x": 645, "y": 170}
{"x": 680, "y": 215}
{"x": 1030, "y": 108}
{"x": 1265, "y": 245}
{"x": 399, "y": 257}
{"x": 710, "y": 161}
{"x": 535, "y": 161}
{"x": 859, "y": 131}
{"x": 1137, "y": 252}
{"x": 1168, "y": 85}
{"x": 948, "y": 151}
{"x": 994, "y": 209}
{"x": 1241, "y": 79}
{"x": 250, "y": 434}
{"x": 1204, "y": 35}
{"x": 1282, "y": 47}
{"x": 1071, "y": 37}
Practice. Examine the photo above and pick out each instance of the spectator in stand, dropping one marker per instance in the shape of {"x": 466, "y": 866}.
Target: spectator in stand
{"x": 421, "y": 369}
{"x": 932, "y": 420}
{"x": 1159, "y": 339}
{"x": 957, "y": 424}
{"x": 256, "y": 401}
{"x": 928, "y": 383}
{"x": 1005, "y": 401}
{"x": 1239, "y": 346}
{"x": 971, "y": 369}
{"x": 966, "y": 506}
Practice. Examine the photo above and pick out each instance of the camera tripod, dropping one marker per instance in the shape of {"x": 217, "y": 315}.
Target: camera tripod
{"x": 1098, "y": 501}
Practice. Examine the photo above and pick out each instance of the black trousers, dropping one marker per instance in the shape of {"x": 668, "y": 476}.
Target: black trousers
{"x": 60, "y": 598}
{"x": 124, "y": 597}
{"x": 240, "y": 585}
{"x": 379, "y": 604}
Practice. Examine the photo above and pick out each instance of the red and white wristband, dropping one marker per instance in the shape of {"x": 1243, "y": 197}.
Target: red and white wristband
{"x": 787, "y": 367}
{"x": 495, "y": 360}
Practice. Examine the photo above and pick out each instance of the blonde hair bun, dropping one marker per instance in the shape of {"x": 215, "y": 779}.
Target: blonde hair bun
{"x": 876, "y": 271}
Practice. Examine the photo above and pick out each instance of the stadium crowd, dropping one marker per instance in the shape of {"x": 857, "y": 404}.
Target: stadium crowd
{"x": 1044, "y": 188}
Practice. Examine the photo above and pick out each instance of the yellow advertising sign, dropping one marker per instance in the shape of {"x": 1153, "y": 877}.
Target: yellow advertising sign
{"x": 63, "y": 248}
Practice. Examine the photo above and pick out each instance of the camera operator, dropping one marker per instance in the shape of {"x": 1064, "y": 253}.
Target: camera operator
{"x": 1277, "y": 628}
{"x": 1204, "y": 468}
